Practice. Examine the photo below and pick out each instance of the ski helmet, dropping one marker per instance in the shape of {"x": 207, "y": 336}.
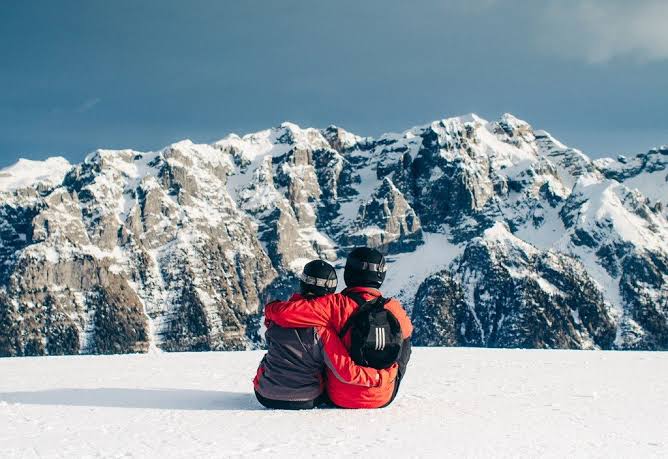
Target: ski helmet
{"x": 365, "y": 267}
{"x": 318, "y": 278}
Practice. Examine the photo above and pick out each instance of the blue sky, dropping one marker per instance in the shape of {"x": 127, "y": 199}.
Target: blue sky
{"x": 80, "y": 75}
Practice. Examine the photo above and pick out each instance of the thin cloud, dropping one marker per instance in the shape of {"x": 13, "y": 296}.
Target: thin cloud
{"x": 88, "y": 105}
{"x": 600, "y": 30}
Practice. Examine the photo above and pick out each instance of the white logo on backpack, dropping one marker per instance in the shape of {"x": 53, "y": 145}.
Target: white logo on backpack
{"x": 380, "y": 339}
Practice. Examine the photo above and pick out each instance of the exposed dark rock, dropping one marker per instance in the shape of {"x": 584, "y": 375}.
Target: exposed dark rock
{"x": 502, "y": 293}
{"x": 439, "y": 308}
{"x": 644, "y": 276}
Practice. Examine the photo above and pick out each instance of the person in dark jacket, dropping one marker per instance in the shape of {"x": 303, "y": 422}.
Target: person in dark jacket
{"x": 291, "y": 374}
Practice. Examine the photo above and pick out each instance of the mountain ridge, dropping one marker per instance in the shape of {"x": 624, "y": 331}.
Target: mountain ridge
{"x": 180, "y": 247}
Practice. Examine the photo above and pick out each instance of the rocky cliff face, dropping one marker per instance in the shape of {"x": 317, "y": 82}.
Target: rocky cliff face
{"x": 496, "y": 235}
{"x": 134, "y": 250}
{"x": 503, "y": 292}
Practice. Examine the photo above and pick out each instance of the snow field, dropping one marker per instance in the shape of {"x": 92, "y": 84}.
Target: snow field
{"x": 454, "y": 402}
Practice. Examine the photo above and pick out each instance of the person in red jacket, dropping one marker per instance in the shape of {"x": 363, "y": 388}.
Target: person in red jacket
{"x": 364, "y": 274}
{"x": 291, "y": 374}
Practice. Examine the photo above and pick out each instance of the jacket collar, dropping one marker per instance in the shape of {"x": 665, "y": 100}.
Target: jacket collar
{"x": 367, "y": 290}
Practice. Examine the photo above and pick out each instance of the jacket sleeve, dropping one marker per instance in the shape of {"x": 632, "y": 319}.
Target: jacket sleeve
{"x": 300, "y": 313}
{"x": 400, "y": 313}
{"x": 340, "y": 363}
{"x": 267, "y": 322}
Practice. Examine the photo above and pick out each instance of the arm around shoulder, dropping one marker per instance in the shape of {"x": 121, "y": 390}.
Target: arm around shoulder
{"x": 343, "y": 367}
{"x": 299, "y": 313}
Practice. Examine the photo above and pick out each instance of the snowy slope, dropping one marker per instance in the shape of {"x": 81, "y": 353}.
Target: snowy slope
{"x": 646, "y": 172}
{"x": 453, "y": 403}
{"x": 26, "y": 173}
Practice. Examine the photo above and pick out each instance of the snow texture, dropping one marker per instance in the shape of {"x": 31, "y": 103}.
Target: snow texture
{"x": 453, "y": 403}
{"x": 27, "y": 173}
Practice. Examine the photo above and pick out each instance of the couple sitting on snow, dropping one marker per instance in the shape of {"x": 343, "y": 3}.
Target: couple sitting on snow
{"x": 349, "y": 349}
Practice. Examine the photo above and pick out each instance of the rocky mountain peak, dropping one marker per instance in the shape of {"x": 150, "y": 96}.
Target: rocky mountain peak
{"x": 496, "y": 234}
{"x": 340, "y": 139}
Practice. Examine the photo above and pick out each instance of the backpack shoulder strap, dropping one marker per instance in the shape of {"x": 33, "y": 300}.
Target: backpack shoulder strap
{"x": 355, "y": 296}
{"x": 364, "y": 306}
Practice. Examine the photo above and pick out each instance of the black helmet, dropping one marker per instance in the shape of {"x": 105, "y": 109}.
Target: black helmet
{"x": 318, "y": 278}
{"x": 365, "y": 267}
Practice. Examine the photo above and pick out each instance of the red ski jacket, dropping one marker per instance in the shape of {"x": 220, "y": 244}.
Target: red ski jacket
{"x": 334, "y": 311}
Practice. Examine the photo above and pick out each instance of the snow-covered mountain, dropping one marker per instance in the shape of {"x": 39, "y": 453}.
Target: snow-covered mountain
{"x": 497, "y": 235}
{"x": 26, "y": 173}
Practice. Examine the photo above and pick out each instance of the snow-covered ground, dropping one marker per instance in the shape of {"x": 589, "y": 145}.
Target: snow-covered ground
{"x": 454, "y": 402}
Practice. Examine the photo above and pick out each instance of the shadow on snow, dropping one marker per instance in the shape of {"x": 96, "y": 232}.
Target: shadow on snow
{"x": 159, "y": 399}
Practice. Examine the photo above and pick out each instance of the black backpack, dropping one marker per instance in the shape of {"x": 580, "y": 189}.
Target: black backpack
{"x": 375, "y": 333}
